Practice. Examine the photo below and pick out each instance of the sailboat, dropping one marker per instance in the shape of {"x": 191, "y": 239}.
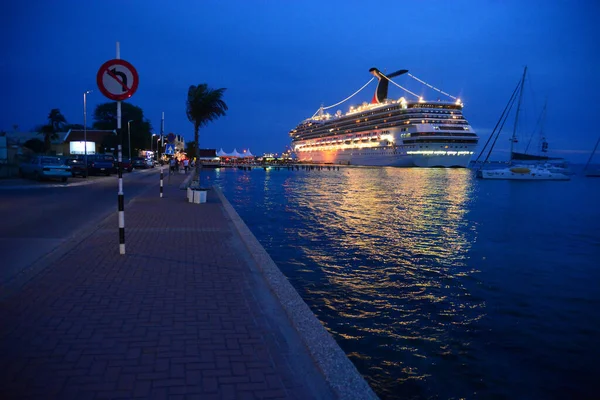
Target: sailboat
{"x": 554, "y": 164}
{"x": 517, "y": 169}
{"x": 596, "y": 173}
{"x": 542, "y": 154}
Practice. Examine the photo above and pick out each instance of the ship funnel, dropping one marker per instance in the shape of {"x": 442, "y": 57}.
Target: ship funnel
{"x": 382, "y": 87}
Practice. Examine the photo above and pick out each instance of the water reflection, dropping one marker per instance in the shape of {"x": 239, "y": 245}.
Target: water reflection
{"x": 437, "y": 285}
{"x": 390, "y": 246}
{"x": 380, "y": 255}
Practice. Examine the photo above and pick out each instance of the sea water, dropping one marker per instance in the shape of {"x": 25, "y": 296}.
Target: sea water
{"x": 437, "y": 284}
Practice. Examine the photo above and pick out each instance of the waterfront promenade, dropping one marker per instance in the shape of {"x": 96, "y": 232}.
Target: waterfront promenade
{"x": 195, "y": 309}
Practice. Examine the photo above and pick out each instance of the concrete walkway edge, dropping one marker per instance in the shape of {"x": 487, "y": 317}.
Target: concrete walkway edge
{"x": 338, "y": 370}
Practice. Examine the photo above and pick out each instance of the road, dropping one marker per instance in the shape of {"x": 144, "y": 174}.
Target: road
{"x": 37, "y": 217}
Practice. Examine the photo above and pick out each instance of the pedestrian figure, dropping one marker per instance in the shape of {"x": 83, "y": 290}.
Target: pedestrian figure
{"x": 172, "y": 165}
{"x": 186, "y": 164}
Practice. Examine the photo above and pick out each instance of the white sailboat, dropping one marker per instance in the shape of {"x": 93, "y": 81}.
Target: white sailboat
{"x": 515, "y": 170}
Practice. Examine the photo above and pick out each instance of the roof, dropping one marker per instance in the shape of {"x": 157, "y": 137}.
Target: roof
{"x": 92, "y": 135}
{"x": 207, "y": 153}
{"x": 235, "y": 154}
{"x": 16, "y": 138}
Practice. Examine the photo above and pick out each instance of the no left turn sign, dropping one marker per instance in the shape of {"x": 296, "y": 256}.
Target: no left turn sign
{"x": 117, "y": 79}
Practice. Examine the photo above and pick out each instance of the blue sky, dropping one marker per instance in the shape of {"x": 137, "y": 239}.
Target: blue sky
{"x": 279, "y": 60}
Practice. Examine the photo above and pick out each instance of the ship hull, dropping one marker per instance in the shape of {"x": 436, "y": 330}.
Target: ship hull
{"x": 395, "y": 134}
{"x": 387, "y": 157}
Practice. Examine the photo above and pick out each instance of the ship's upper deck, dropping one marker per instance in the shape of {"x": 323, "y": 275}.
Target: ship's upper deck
{"x": 389, "y": 104}
{"x": 378, "y": 116}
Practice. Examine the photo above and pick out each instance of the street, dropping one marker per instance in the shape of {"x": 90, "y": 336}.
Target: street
{"x": 37, "y": 217}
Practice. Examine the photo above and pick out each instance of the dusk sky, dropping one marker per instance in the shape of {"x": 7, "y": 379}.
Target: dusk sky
{"x": 280, "y": 60}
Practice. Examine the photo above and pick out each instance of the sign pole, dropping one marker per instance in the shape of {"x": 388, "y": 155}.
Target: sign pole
{"x": 118, "y": 80}
{"x": 120, "y": 194}
{"x": 161, "y": 181}
{"x": 162, "y": 131}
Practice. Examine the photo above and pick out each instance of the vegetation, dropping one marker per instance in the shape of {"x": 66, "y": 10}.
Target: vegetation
{"x": 35, "y": 145}
{"x": 190, "y": 148}
{"x": 105, "y": 117}
{"x": 204, "y": 105}
{"x": 56, "y": 123}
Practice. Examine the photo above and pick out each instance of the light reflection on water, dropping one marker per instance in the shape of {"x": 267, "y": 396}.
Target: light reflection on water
{"x": 390, "y": 251}
{"x": 385, "y": 259}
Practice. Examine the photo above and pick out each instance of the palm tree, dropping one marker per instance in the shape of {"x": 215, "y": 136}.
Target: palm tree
{"x": 204, "y": 105}
{"x": 56, "y": 121}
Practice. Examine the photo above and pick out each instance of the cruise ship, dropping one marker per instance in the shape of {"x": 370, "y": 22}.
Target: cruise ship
{"x": 388, "y": 132}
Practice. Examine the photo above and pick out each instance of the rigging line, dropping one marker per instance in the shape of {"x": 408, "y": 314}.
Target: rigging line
{"x": 502, "y": 116}
{"x": 406, "y": 90}
{"x": 433, "y": 87}
{"x": 538, "y": 123}
{"x": 496, "y": 132}
{"x": 500, "y": 130}
{"x": 346, "y": 99}
{"x": 591, "y": 155}
{"x": 498, "y": 123}
{"x": 534, "y": 106}
{"x": 349, "y": 97}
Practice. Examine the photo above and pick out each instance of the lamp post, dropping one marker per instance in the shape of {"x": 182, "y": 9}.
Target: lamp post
{"x": 129, "y": 134}
{"x": 152, "y": 144}
{"x": 85, "y": 130}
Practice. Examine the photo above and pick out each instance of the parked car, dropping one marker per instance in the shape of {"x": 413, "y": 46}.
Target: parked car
{"x": 77, "y": 166}
{"x": 140, "y": 162}
{"x": 101, "y": 164}
{"x": 150, "y": 162}
{"x": 45, "y": 167}
{"x": 125, "y": 164}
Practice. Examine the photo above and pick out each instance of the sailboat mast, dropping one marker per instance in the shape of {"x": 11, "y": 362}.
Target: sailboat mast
{"x": 514, "y": 135}
{"x": 544, "y": 144}
{"x": 592, "y": 155}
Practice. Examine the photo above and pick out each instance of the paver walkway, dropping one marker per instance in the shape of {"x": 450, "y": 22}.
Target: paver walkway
{"x": 184, "y": 314}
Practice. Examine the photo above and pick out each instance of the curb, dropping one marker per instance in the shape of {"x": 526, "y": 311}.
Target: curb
{"x": 184, "y": 185}
{"x": 17, "y": 282}
{"x": 339, "y": 372}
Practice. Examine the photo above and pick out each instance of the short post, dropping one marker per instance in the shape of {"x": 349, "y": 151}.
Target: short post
{"x": 121, "y": 205}
{"x": 161, "y": 182}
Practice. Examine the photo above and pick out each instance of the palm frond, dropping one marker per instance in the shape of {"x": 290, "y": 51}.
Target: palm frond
{"x": 205, "y": 105}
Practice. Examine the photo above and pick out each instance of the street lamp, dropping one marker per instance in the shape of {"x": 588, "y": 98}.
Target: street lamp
{"x": 85, "y": 130}
{"x": 129, "y": 134}
{"x": 152, "y": 143}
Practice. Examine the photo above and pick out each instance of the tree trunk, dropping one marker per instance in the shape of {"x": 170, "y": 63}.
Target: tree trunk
{"x": 197, "y": 166}
{"x": 47, "y": 144}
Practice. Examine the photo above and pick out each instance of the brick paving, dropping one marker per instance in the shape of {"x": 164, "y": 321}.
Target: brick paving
{"x": 184, "y": 314}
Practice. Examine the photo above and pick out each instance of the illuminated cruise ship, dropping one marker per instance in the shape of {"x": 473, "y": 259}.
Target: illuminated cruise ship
{"x": 388, "y": 132}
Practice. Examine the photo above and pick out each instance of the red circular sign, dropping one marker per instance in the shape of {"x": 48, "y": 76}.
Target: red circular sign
{"x": 117, "y": 79}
